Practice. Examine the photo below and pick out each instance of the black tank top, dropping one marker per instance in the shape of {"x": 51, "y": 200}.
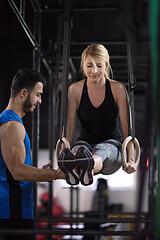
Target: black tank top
{"x": 98, "y": 124}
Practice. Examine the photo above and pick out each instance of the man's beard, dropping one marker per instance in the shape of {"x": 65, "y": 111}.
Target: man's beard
{"x": 27, "y": 106}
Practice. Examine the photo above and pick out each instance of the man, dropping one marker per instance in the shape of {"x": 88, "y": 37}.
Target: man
{"x": 16, "y": 170}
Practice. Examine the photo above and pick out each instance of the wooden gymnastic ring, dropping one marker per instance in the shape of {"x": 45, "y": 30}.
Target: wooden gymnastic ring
{"x": 123, "y": 153}
{"x": 58, "y": 145}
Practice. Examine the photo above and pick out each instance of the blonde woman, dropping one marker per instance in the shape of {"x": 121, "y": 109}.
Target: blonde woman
{"x": 99, "y": 103}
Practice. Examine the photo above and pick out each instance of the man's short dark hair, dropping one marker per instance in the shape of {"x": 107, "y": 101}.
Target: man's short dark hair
{"x": 25, "y": 78}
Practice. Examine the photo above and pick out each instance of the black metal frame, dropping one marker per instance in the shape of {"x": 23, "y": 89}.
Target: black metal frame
{"x": 77, "y": 231}
{"x": 35, "y": 39}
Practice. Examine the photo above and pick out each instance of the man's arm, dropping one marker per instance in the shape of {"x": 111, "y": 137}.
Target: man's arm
{"x": 13, "y": 151}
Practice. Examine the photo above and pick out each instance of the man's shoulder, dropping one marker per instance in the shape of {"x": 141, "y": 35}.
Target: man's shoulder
{"x": 9, "y": 115}
{"x": 10, "y": 122}
{"x": 12, "y": 129}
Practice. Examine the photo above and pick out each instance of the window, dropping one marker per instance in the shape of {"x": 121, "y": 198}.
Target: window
{"x": 118, "y": 180}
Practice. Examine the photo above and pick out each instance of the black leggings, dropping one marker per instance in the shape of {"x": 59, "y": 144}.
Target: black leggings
{"x": 16, "y": 224}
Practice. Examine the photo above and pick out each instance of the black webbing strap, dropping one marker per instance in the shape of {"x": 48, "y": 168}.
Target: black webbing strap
{"x": 131, "y": 86}
{"x": 65, "y": 69}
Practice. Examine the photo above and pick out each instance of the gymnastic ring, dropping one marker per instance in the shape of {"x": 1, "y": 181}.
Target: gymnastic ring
{"x": 123, "y": 153}
{"x": 58, "y": 145}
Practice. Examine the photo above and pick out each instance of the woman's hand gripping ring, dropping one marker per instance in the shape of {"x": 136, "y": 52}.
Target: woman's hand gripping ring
{"x": 123, "y": 153}
{"x": 61, "y": 141}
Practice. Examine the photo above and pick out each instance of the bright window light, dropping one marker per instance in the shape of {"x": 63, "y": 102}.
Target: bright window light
{"x": 118, "y": 180}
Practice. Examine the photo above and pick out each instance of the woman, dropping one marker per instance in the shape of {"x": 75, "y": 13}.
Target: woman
{"x": 98, "y": 102}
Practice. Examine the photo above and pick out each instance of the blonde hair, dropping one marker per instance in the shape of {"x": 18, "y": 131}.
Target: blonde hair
{"x": 98, "y": 51}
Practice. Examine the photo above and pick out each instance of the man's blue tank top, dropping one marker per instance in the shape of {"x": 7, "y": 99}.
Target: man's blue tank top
{"x": 98, "y": 124}
{"x": 16, "y": 197}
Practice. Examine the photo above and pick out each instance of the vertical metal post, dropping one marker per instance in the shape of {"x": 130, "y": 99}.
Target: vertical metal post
{"x": 65, "y": 71}
{"x": 131, "y": 121}
{"x": 52, "y": 113}
{"x": 51, "y": 137}
{"x": 71, "y": 206}
{"x": 77, "y": 201}
{"x": 36, "y": 113}
{"x": 51, "y": 142}
{"x": 57, "y": 71}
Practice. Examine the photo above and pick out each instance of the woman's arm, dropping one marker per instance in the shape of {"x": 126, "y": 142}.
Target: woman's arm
{"x": 71, "y": 110}
{"x": 121, "y": 97}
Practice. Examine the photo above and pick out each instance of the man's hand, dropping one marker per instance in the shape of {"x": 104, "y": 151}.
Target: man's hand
{"x": 47, "y": 165}
{"x": 59, "y": 173}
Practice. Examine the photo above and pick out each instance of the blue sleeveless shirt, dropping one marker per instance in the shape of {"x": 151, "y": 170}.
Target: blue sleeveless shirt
{"x": 16, "y": 197}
